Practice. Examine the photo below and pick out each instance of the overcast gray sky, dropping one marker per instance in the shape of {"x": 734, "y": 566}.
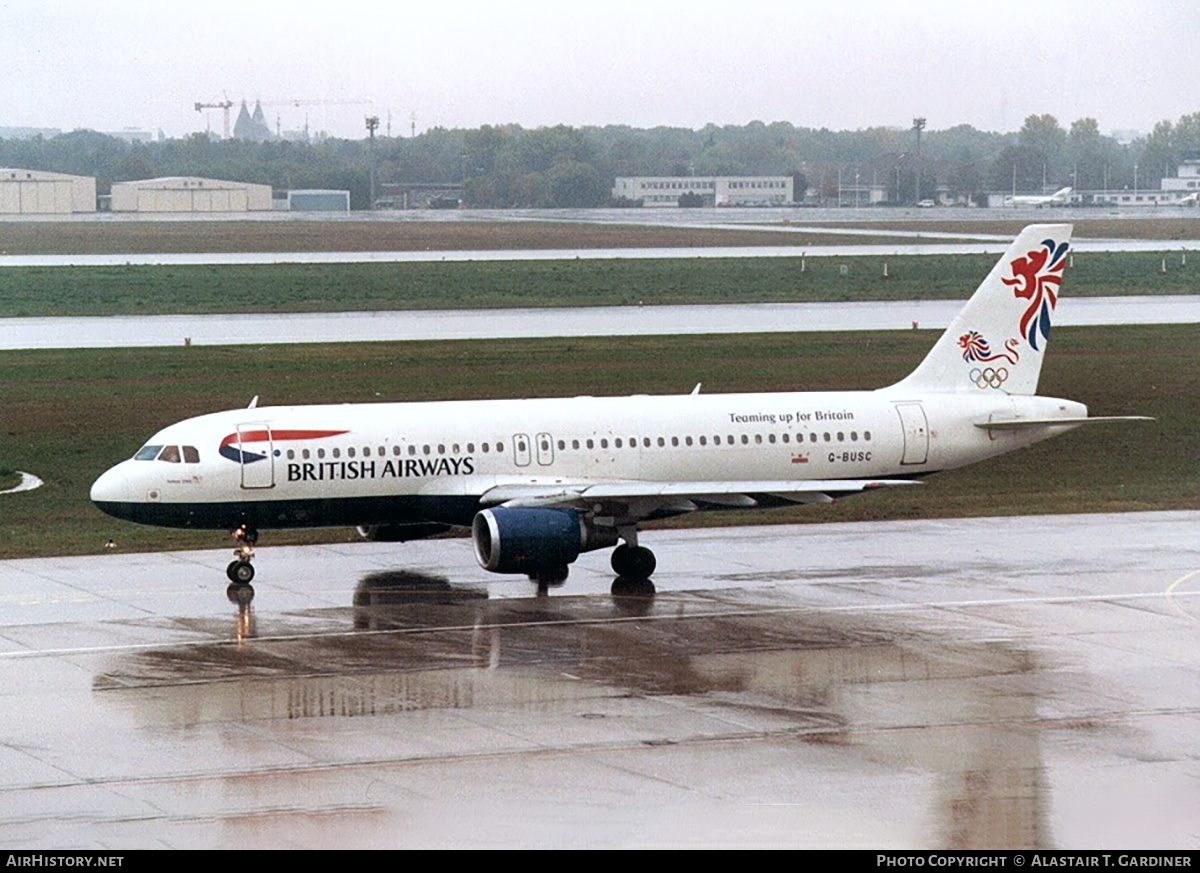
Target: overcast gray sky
{"x": 841, "y": 64}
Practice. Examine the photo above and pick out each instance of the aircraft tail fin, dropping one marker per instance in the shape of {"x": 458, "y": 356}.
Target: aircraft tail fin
{"x": 997, "y": 341}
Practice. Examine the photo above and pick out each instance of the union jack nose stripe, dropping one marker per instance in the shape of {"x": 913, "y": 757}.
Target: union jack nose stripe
{"x": 228, "y": 448}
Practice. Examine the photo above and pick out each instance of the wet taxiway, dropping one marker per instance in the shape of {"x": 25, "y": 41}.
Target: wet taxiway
{"x": 414, "y": 325}
{"x": 1015, "y": 682}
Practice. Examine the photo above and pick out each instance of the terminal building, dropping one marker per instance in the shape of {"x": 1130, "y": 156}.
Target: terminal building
{"x": 190, "y": 194}
{"x": 1179, "y": 190}
{"x": 37, "y": 192}
{"x": 714, "y": 190}
{"x": 1172, "y": 190}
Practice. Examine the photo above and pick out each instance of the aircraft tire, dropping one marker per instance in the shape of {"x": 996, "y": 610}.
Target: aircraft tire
{"x": 633, "y": 562}
{"x": 240, "y": 572}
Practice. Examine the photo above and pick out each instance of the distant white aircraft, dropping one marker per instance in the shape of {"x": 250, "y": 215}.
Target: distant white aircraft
{"x": 538, "y": 482}
{"x": 1058, "y": 198}
{"x": 1191, "y": 199}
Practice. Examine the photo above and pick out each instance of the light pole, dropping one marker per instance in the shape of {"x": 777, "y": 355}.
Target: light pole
{"x": 372, "y": 126}
{"x": 918, "y": 126}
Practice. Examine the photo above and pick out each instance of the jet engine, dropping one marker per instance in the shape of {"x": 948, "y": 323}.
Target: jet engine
{"x": 400, "y": 533}
{"x": 527, "y": 540}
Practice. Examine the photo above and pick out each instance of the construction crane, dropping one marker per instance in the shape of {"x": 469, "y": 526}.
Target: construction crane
{"x": 226, "y": 105}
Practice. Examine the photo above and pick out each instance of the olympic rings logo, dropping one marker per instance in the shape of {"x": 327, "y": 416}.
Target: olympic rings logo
{"x": 989, "y": 377}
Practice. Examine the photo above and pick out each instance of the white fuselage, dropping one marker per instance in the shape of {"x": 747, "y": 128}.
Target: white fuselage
{"x": 375, "y": 464}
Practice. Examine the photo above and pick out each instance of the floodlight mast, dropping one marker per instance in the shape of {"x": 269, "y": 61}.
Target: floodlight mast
{"x": 372, "y": 126}
{"x": 918, "y": 125}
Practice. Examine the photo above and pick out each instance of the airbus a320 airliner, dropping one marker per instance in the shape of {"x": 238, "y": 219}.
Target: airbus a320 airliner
{"x": 540, "y": 481}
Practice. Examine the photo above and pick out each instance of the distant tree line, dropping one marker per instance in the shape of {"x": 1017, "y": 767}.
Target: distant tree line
{"x": 509, "y": 166}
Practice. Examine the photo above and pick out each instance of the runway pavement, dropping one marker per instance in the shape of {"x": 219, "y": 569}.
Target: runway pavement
{"x": 1014, "y": 682}
{"x": 263, "y": 329}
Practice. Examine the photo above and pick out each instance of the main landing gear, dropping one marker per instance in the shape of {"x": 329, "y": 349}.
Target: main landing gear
{"x": 240, "y": 571}
{"x": 634, "y": 565}
{"x": 633, "y": 562}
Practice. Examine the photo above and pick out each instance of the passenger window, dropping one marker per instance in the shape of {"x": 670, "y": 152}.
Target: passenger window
{"x": 674, "y": 441}
{"x": 190, "y": 455}
{"x": 745, "y": 440}
{"x": 170, "y": 454}
{"x": 337, "y": 453}
{"x": 771, "y": 438}
{"x": 470, "y": 448}
{"x": 366, "y": 452}
{"x": 867, "y": 435}
{"x": 147, "y": 453}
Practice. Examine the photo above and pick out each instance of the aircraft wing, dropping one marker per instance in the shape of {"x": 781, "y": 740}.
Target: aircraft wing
{"x": 642, "y": 499}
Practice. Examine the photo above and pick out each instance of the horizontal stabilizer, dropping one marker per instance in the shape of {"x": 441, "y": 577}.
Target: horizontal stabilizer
{"x": 1022, "y": 423}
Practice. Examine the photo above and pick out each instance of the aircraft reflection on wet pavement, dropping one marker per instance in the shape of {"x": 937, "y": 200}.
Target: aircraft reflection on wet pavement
{"x": 751, "y": 671}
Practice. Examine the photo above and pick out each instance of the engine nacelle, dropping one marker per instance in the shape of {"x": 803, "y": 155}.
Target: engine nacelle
{"x": 400, "y": 533}
{"x": 527, "y": 540}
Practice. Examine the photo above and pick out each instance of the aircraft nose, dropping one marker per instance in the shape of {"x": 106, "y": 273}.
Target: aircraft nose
{"x": 111, "y": 490}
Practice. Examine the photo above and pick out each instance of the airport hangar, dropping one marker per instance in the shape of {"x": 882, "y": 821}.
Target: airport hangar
{"x": 38, "y": 192}
{"x": 190, "y": 194}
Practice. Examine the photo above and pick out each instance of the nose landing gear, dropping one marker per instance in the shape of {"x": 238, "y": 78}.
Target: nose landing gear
{"x": 240, "y": 571}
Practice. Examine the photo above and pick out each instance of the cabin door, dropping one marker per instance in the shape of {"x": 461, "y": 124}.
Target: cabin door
{"x": 257, "y": 451}
{"x": 916, "y": 433}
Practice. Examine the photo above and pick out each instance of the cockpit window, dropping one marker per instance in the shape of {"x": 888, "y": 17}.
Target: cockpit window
{"x": 170, "y": 454}
{"x": 190, "y": 455}
{"x": 147, "y": 453}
